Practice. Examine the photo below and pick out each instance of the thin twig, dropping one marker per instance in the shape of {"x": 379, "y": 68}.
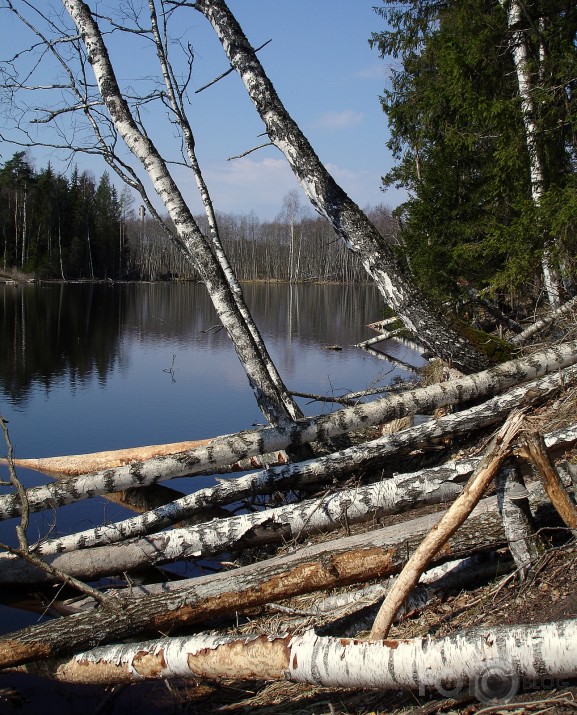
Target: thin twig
{"x": 250, "y": 151}
{"x": 224, "y": 74}
{"x": 23, "y": 550}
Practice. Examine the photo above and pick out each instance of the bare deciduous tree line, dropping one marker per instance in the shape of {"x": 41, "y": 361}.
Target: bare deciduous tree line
{"x": 258, "y": 250}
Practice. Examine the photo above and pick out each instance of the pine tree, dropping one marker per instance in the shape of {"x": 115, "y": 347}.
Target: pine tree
{"x": 457, "y": 131}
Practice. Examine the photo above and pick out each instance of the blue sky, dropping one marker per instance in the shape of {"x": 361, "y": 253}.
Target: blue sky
{"x": 325, "y": 73}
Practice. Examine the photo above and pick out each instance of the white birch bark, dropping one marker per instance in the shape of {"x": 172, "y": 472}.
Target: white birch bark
{"x": 400, "y": 293}
{"x": 463, "y": 661}
{"x": 78, "y": 464}
{"x": 230, "y": 448}
{"x": 192, "y": 242}
{"x": 356, "y": 559}
{"x": 520, "y": 51}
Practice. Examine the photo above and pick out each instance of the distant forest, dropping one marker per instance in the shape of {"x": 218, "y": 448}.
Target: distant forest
{"x": 79, "y": 227}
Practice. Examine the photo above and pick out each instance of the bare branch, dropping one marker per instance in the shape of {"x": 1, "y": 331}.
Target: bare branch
{"x": 250, "y": 151}
{"x": 229, "y": 70}
{"x": 24, "y": 551}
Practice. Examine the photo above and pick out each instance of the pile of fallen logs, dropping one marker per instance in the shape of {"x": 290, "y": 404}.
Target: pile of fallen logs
{"x": 356, "y": 484}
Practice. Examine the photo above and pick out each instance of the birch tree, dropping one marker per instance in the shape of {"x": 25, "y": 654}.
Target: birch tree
{"x": 520, "y": 51}
{"x": 109, "y": 116}
{"x": 423, "y": 318}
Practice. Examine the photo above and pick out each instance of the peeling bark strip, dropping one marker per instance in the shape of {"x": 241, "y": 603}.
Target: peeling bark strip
{"x": 465, "y": 660}
{"x": 231, "y": 448}
{"x": 401, "y": 294}
{"x": 355, "y": 559}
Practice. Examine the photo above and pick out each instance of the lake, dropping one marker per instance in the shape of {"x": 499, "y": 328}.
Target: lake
{"x": 90, "y": 367}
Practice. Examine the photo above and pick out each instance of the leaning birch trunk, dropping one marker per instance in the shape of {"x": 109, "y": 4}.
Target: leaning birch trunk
{"x": 520, "y": 51}
{"x": 451, "y": 520}
{"x": 400, "y": 293}
{"x": 330, "y": 564}
{"x": 176, "y": 103}
{"x": 230, "y": 448}
{"x": 270, "y": 399}
{"x": 473, "y": 660}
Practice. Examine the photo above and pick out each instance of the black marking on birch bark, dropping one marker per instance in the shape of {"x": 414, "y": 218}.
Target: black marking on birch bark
{"x": 109, "y": 481}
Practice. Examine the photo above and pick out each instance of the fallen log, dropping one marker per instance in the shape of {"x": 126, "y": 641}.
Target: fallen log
{"x": 368, "y": 455}
{"x": 486, "y": 662}
{"x": 230, "y": 448}
{"x": 545, "y": 322}
{"x": 281, "y": 524}
{"x": 77, "y": 464}
{"x": 448, "y": 524}
{"x": 355, "y": 559}
{"x": 74, "y": 464}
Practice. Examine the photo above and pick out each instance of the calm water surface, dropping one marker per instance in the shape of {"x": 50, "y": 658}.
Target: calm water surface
{"x": 89, "y": 367}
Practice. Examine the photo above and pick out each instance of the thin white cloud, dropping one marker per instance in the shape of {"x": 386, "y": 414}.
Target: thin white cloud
{"x": 247, "y": 184}
{"x": 339, "y": 120}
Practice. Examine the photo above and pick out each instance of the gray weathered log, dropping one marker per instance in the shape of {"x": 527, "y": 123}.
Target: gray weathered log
{"x": 231, "y": 448}
{"x": 513, "y": 499}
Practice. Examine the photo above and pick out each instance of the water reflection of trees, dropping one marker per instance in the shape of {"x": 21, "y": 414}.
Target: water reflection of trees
{"x": 76, "y": 332}
{"x": 56, "y": 331}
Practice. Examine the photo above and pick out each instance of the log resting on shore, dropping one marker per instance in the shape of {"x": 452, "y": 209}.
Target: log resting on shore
{"x": 330, "y": 564}
{"x": 231, "y": 448}
{"x": 462, "y": 661}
